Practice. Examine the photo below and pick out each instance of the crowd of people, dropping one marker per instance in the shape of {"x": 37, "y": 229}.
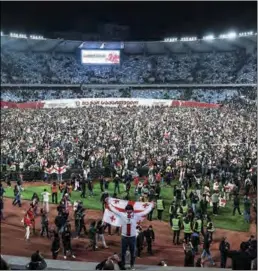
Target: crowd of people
{"x": 212, "y": 152}
{"x": 100, "y": 136}
{"x": 200, "y": 68}
{"x": 188, "y": 211}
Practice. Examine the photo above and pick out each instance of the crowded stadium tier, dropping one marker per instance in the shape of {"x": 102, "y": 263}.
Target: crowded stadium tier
{"x": 63, "y": 62}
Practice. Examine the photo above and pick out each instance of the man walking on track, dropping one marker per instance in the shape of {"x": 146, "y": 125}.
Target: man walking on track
{"x": 45, "y": 195}
{"x": 176, "y": 226}
{"x": 129, "y": 219}
{"x": 160, "y": 208}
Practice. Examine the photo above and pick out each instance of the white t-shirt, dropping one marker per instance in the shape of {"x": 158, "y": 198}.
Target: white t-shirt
{"x": 45, "y": 196}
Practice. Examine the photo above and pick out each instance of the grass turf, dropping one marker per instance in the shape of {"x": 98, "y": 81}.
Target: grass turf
{"x": 225, "y": 219}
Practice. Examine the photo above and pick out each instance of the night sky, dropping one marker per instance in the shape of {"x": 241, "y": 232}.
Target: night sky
{"x": 147, "y": 20}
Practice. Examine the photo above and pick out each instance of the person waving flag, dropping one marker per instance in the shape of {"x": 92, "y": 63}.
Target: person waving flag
{"x": 127, "y": 215}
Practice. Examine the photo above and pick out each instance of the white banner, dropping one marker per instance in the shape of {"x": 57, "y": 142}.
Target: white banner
{"x": 100, "y": 57}
{"x": 111, "y": 102}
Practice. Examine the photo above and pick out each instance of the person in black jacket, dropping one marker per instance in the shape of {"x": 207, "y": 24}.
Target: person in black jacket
{"x": 79, "y": 220}
{"x": 83, "y": 186}
{"x": 241, "y": 260}
{"x": 109, "y": 264}
{"x": 139, "y": 241}
{"x": 37, "y": 262}
{"x": 224, "y": 247}
{"x": 60, "y": 222}
{"x": 236, "y": 202}
{"x": 66, "y": 238}
{"x": 90, "y": 187}
{"x": 103, "y": 199}
{"x": 117, "y": 182}
{"x": 44, "y": 223}
{"x": 150, "y": 237}
{"x": 102, "y": 182}
{"x": 55, "y": 246}
{"x": 206, "y": 249}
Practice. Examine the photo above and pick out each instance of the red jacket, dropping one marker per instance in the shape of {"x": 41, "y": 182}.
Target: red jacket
{"x": 27, "y": 221}
{"x": 30, "y": 214}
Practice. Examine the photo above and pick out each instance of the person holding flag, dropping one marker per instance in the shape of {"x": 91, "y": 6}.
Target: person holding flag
{"x": 128, "y": 215}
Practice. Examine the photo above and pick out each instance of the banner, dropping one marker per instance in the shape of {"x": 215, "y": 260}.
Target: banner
{"x": 107, "y": 102}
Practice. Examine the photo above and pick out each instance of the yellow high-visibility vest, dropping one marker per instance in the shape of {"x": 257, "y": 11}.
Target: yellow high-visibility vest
{"x": 175, "y": 222}
{"x": 160, "y": 204}
{"x": 187, "y": 227}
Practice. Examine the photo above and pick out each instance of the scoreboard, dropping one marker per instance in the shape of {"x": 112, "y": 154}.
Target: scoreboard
{"x": 100, "y": 53}
{"x": 100, "y": 57}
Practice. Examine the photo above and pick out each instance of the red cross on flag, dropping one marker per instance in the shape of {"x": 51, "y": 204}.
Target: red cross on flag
{"x": 60, "y": 170}
{"x": 141, "y": 210}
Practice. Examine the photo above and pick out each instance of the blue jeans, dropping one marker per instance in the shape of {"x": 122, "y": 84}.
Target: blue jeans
{"x": 246, "y": 216}
{"x": 17, "y": 200}
{"x": 208, "y": 255}
{"x": 131, "y": 243}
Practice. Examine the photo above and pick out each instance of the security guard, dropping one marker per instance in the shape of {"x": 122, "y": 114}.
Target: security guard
{"x": 172, "y": 212}
{"x": 187, "y": 229}
{"x": 176, "y": 226}
{"x": 160, "y": 208}
{"x": 198, "y": 225}
{"x": 210, "y": 228}
{"x": 179, "y": 211}
{"x": 185, "y": 207}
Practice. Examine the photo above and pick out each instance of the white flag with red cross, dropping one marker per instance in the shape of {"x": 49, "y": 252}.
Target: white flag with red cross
{"x": 60, "y": 170}
{"x": 49, "y": 170}
{"x": 139, "y": 208}
{"x": 222, "y": 202}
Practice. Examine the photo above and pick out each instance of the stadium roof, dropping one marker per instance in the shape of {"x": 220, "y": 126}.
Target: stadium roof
{"x": 156, "y": 47}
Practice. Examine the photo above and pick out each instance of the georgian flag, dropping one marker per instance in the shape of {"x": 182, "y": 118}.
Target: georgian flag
{"x": 50, "y": 170}
{"x": 222, "y": 202}
{"x": 60, "y": 170}
{"x": 119, "y": 205}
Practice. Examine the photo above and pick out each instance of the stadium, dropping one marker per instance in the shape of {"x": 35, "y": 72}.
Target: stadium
{"x": 89, "y": 128}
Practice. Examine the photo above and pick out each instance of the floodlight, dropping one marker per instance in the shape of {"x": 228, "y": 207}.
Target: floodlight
{"x": 231, "y": 35}
{"x": 209, "y": 37}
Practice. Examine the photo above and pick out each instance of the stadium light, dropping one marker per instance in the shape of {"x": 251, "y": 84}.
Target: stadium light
{"x": 18, "y": 36}
{"x": 170, "y": 39}
{"x": 244, "y": 34}
{"x": 188, "y": 39}
{"x": 209, "y": 37}
{"x": 34, "y": 37}
{"x": 232, "y": 35}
